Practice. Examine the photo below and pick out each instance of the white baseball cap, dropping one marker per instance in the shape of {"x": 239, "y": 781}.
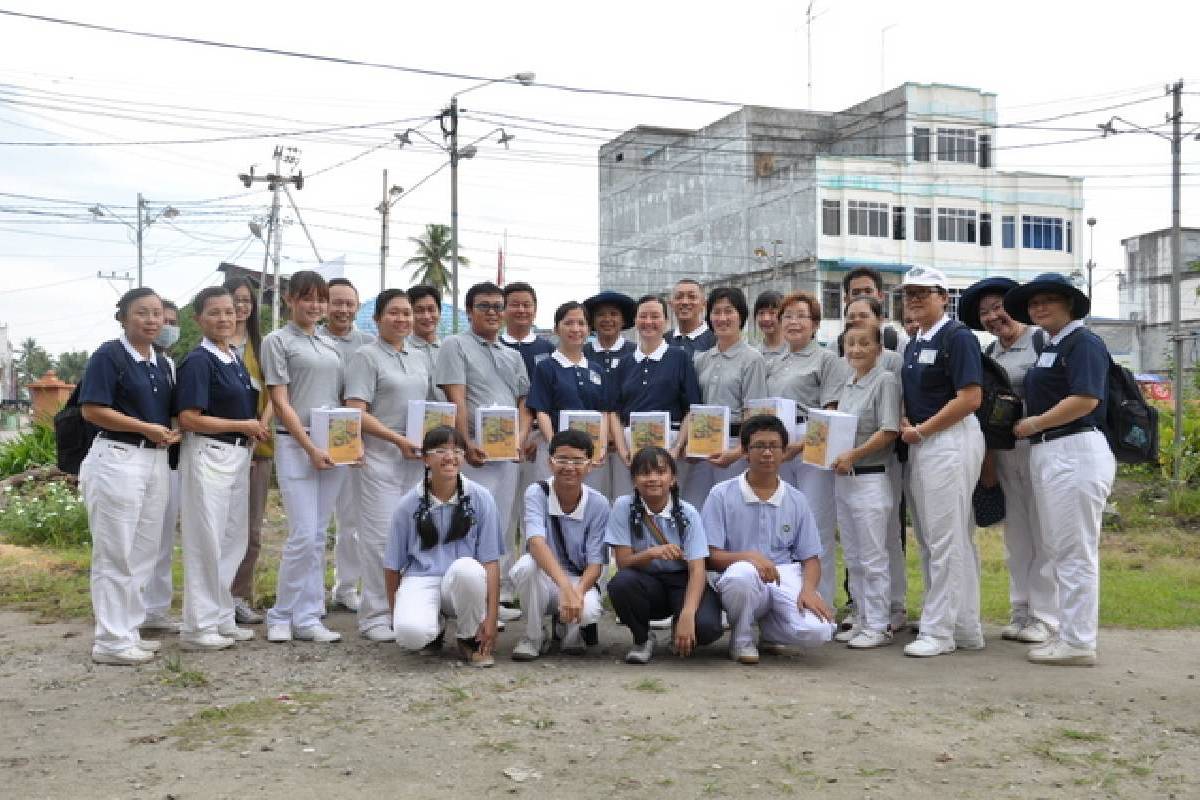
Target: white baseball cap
{"x": 925, "y": 276}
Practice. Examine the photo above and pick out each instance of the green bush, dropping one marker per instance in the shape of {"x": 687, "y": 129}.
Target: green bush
{"x": 33, "y": 449}
{"x": 50, "y": 513}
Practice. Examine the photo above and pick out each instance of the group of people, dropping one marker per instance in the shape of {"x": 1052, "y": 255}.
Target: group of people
{"x": 429, "y": 529}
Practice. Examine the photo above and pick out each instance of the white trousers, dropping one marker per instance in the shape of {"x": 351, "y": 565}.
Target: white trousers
{"x": 125, "y": 491}
{"x": 347, "y": 564}
{"x": 1032, "y": 592}
{"x": 1072, "y": 477}
{"x": 817, "y": 487}
{"x": 423, "y": 601}
{"x": 386, "y": 477}
{"x": 539, "y": 597}
{"x": 944, "y": 469}
{"x": 747, "y": 600}
{"x": 897, "y": 565}
{"x": 308, "y": 497}
{"x": 501, "y": 478}
{"x": 216, "y": 480}
{"x": 864, "y": 507}
{"x": 160, "y": 589}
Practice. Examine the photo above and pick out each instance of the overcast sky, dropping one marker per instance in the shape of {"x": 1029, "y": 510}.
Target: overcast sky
{"x": 63, "y": 84}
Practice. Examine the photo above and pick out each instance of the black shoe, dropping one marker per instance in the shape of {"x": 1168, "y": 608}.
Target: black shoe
{"x": 434, "y": 647}
{"x": 591, "y": 634}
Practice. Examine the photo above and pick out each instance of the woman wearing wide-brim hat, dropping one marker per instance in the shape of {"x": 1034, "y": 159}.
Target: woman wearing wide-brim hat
{"x": 608, "y": 313}
{"x": 1031, "y": 589}
{"x": 1069, "y": 458}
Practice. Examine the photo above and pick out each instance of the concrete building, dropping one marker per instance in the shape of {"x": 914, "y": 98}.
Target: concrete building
{"x": 791, "y": 199}
{"x": 1145, "y": 295}
{"x": 8, "y": 368}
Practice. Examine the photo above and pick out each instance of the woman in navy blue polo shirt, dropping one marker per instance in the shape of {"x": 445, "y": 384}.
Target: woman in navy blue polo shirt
{"x": 1071, "y": 464}
{"x": 941, "y": 379}
{"x": 126, "y": 393}
{"x": 654, "y": 377}
{"x": 569, "y": 381}
{"x": 217, "y": 405}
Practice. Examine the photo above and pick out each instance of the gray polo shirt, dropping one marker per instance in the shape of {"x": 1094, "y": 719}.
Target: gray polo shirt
{"x": 732, "y": 377}
{"x": 347, "y": 345}
{"x": 772, "y": 353}
{"x": 890, "y": 360}
{"x": 1017, "y": 359}
{"x": 386, "y": 379}
{"x": 493, "y": 374}
{"x": 431, "y": 351}
{"x": 309, "y": 366}
{"x": 813, "y": 376}
{"x": 876, "y": 400}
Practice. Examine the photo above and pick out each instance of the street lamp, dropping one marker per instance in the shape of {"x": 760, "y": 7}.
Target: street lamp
{"x": 144, "y": 220}
{"x": 1091, "y": 265}
{"x": 391, "y": 196}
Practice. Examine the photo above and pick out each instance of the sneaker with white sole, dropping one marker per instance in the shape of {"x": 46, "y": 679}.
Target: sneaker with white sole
{"x": 279, "y": 632}
{"x": 927, "y": 647}
{"x": 348, "y": 599}
{"x": 572, "y": 642}
{"x": 747, "y": 655}
{"x": 149, "y": 645}
{"x": 865, "y": 639}
{"x": 1058, "y": 653}
{"x": 204, "y": 641}
{"x": 1034, "y": 632}
{"x": 244, "y": 614}
{"x": 164, "y": 623}
{"x": 1013, "y": 628}
{"x": 235, "y": 633}
{"x": 527, "y": 650}
{"x": 973, "y": 643}
{"x": 129, "y": 657}
{"x": 662, "y": 624}
{"x": 317, "y": 633}
{"x": 509, "y": 613}
{"x": 380, "y": 633}
{"x": 641, "y": 653}
{"x": 846, "y": 635}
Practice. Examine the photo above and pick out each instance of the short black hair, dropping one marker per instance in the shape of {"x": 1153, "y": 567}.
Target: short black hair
{"x": 171, "y": 305}
{"x": 385, "y": 297}
{"x": 130, "y": 297}
{"x": 422, "y": 290}
{"x": 572, "y": 438}
{"x": 760, "y": 423}
{"x": 206, "y": 294}
{"x": 566, "y": 308}
{"x": 692, "y": 281}
{"x": 306, "y": 282}
{"x": 736, "y": 299}
{"x": 653, "y": 298}
{"x": 520, "y": 286}
{"x": 769, "y": 299}
{"x": 341, "y": 282}
{"x": 863, "y": 272}
{"x": 487, "y": 287}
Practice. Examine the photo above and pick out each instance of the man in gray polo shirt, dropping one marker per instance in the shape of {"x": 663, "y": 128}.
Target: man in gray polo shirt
{"x": 427, "y": 315}
{"x": 475, "y": 370}
{"x": 347, "y": 565}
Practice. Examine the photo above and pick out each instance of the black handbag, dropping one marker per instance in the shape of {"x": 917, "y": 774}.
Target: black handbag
{"x": 989, "y": 505}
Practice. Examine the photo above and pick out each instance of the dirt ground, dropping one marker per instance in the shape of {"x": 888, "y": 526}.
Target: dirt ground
{"x": 300, "y": 720}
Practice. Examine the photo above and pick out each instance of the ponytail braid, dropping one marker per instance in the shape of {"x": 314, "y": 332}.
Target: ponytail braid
{"x": 464, "y": 515}
{"x": 677, "y": 515}
{"x": 636, "y": 513}
{"x": 424, "y": 516}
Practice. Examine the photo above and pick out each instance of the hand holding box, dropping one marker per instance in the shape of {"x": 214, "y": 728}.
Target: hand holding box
{"x": 708, "y": 430}
{"x": 338, "y": 431}
{"x": 496, "y": 429}
{"x": 829, "y": 434}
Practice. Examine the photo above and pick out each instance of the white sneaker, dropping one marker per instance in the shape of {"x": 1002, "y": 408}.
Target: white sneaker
{"x": 865, "y": 639}
{"x": 898, "y": 618}
{"x": 976, "y": 643}
{"x": 744, "y": 655}
{"x": 1034, "y": 632}
{"x": 243, "y": 614}
{"x": 509, "y": 614}
{"x": 1013, "y": 629}
{"x": 161, "y": 622}
{"x": 927, "y": 647}
{"x": 204, "y": 641}
{"x": 1060, "y": 654}
{"x": 380, "y": 633}
{"x": 662, "y": 624}
{"x": 235, "y": 633}
{"x": 279, "y": 632}
{"x": 348, "y": 599}
{"x": 317, "y": 633}
{"x": 847, "y": 634}
{"x": 572, "y": 642}
{"x": 149, "y": 645}
{"x": 641, "y": 653}
{"x": 527, "y": 650}
{"x": 130, "y": 656}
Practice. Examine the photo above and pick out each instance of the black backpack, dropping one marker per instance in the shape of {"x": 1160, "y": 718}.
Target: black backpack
{"x": 73, "y": 435}
{"x": 1000, "y": 407}
{"x": 1130, "y": 423}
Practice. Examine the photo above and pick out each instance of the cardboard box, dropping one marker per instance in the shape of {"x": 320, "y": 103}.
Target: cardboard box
{"x": 338, "y": 431}
{"x": 649, "y": 429}
{"x": 496, "y": 429}
{"x": 780, "y": 407}
{"x": 424, "y": 416}
{"x": 590, "y": 422}
{"x": 828, "y": 435}
{"x": 708, "y": 430}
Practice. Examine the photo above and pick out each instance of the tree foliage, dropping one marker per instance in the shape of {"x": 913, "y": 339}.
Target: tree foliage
{"x": 431, "y": 264}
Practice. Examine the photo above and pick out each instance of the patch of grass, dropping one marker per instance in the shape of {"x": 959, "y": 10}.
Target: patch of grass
{"x": 652, "y": 743}
{"x": 228, "y": 725}
{"x": 457, "y": 694}
{"x": 652, "y": 685}
{"x": 498, "y": 746}
{"x": 52, "y": 585}
{"x": 176, "y": 674}
{"x": 44, "y": 513}
{"x": 1082, "y": 736}
{"x": 34, "y": 448}
{"x": 985, "y": 713}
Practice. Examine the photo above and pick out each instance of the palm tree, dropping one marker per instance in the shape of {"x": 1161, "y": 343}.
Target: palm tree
{"x": 431, "y": 264}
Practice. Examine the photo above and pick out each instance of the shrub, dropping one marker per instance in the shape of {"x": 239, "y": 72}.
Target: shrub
{"x": 48, "y": 513}
{"x": 33, "y": 449}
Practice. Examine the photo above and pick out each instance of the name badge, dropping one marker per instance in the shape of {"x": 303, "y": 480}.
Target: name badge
{"x": 594, "y": 376}
{"x": 614, "y": 363}
{"x": 1046, "y": 360}
{"x": 540, "y": 357}
{"x": 927, "y": 356}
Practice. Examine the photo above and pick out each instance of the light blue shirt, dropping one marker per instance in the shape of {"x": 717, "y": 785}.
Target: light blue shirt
{"x": 483, "y": 541}
{"x": 693, "y": 543}
{"x": 782, "y": 528}
{"x": 582, "y": 530}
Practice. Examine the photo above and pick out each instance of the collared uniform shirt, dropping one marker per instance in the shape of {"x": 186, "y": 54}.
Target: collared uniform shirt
{"x": 483, "y": 541}
{"x": 430, "y": 351}
{"x": 559, "y": 385}
{"x": 812, "y": 376}
{"x": 386, "y": 379}
{"x": 118, "y": 376}
{"x": 1017, "y": 359}
{"x": 782, "y": 527}
{"x": 215, "y": 383}
{"x": 875, "y": 398}
{"x": 608, "y": 358}
{"x": 533, "y": 349}
{"x": 699, "y": 340}
{"x": 664, "y": 380}
{"x": 928, "y": 382}
{"x": 1083, "y": 372}
{"x": 692, "y": 541}
{"x": 493, "y": 374}
{"x": 582, "y": 530}
{"x": 349, "y": 344}
{"x": 771, "y": 353}
{"x": 309, "y": 365}
{"x": 732, "y": 377}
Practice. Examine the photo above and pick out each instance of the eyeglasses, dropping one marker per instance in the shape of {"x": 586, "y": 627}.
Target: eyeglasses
{"x": 446, "y": 452}
{"x": 917, "y": 293}
{"x": 862, "y": 291}
{"x": 578, "y": 463}
{"x": 488, "y": 308}
{"x": 765, "y": 447}
{"x": 794, "y": 317}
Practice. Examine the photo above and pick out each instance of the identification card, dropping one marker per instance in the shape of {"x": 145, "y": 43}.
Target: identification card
{"x": 595, "y": 378}
{"x": 927, "y": 356}
{"x": 1046, "y": 360}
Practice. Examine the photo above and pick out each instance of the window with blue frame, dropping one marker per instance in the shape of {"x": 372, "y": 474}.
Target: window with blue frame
{"x": 1041, "y": 233}
{"x": 1008, "y": 231}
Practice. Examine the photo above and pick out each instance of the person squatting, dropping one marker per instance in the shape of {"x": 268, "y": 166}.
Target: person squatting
{"x": 435, "y": 535}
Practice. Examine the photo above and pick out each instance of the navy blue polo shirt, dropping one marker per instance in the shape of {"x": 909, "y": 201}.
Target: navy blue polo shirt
{"x": 936, "y": 369}
{"x": 705, "y": 341}
{"x": 1076, "y": 365}
{"x": 668, "y": 384}
{"x": 215, "y": 388}
{"x": 608, "y": 359}
{"x": 533, "y": 352}
{"x": 138, "y": 389}
{"x": 561, "y": 386}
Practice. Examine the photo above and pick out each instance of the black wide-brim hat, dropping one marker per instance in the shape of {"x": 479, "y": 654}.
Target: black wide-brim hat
{"x": 968, "y": 303}
{"x": 1016, "y": 302}
{"x": 624, "y": 303}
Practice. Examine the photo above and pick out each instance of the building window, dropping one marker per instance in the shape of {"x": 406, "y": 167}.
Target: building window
{"x": 898, "y": 226}
{"x": 920, "y": 144}
{"x": 952, "y": 305}
{"x": 956, "y": 225}
{"x": 1041, "y": 233}
{"x": 1070, "y": 237}
{"x": 1008, "y": 231}
{"x": 956, "y": 144}
{"x": 831, "y": 299}
{"x": 831, "y": 217}
{"x": 866, "y": 219}
{"x": 985, "y": 150}
{"x": 922, "y": 225}
{"x": 985, "y": 229}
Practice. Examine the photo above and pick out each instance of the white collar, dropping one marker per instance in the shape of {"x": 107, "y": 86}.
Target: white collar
{"x": 1067, "y": 330}
{"x": 530, "y": 339}
{"x": 664, "y": 514}
{"x": 927, "y": 336}
{"x": 751, "y": 497}
{"x": 561, "y": 358}
{"x": 617, "y": 345}
{"x": 555, "y": 507}
{"x": 699, "y": 331}
{"x": 133, "y": 353}
{"x": 434, "y": 502}
{"x": 657, "y": 355}
{"x": 223, "y": 357}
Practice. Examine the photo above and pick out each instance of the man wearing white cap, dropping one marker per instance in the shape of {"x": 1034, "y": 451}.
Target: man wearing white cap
{"x": 942, "y": 376}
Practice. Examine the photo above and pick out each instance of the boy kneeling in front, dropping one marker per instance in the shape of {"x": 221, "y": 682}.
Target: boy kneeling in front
{"x": 763, "y": 540}
{"x": 565, "y": 522}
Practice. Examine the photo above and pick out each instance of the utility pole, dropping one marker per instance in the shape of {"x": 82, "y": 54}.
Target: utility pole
{"x": 141, "y": 225}
{"x": 116, "y": 276}
{"x": 1176, "y": 120}
{"x": 275, "y": 181}
{"x": 453, "y": 114}
{"x": 391, "y": 195}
